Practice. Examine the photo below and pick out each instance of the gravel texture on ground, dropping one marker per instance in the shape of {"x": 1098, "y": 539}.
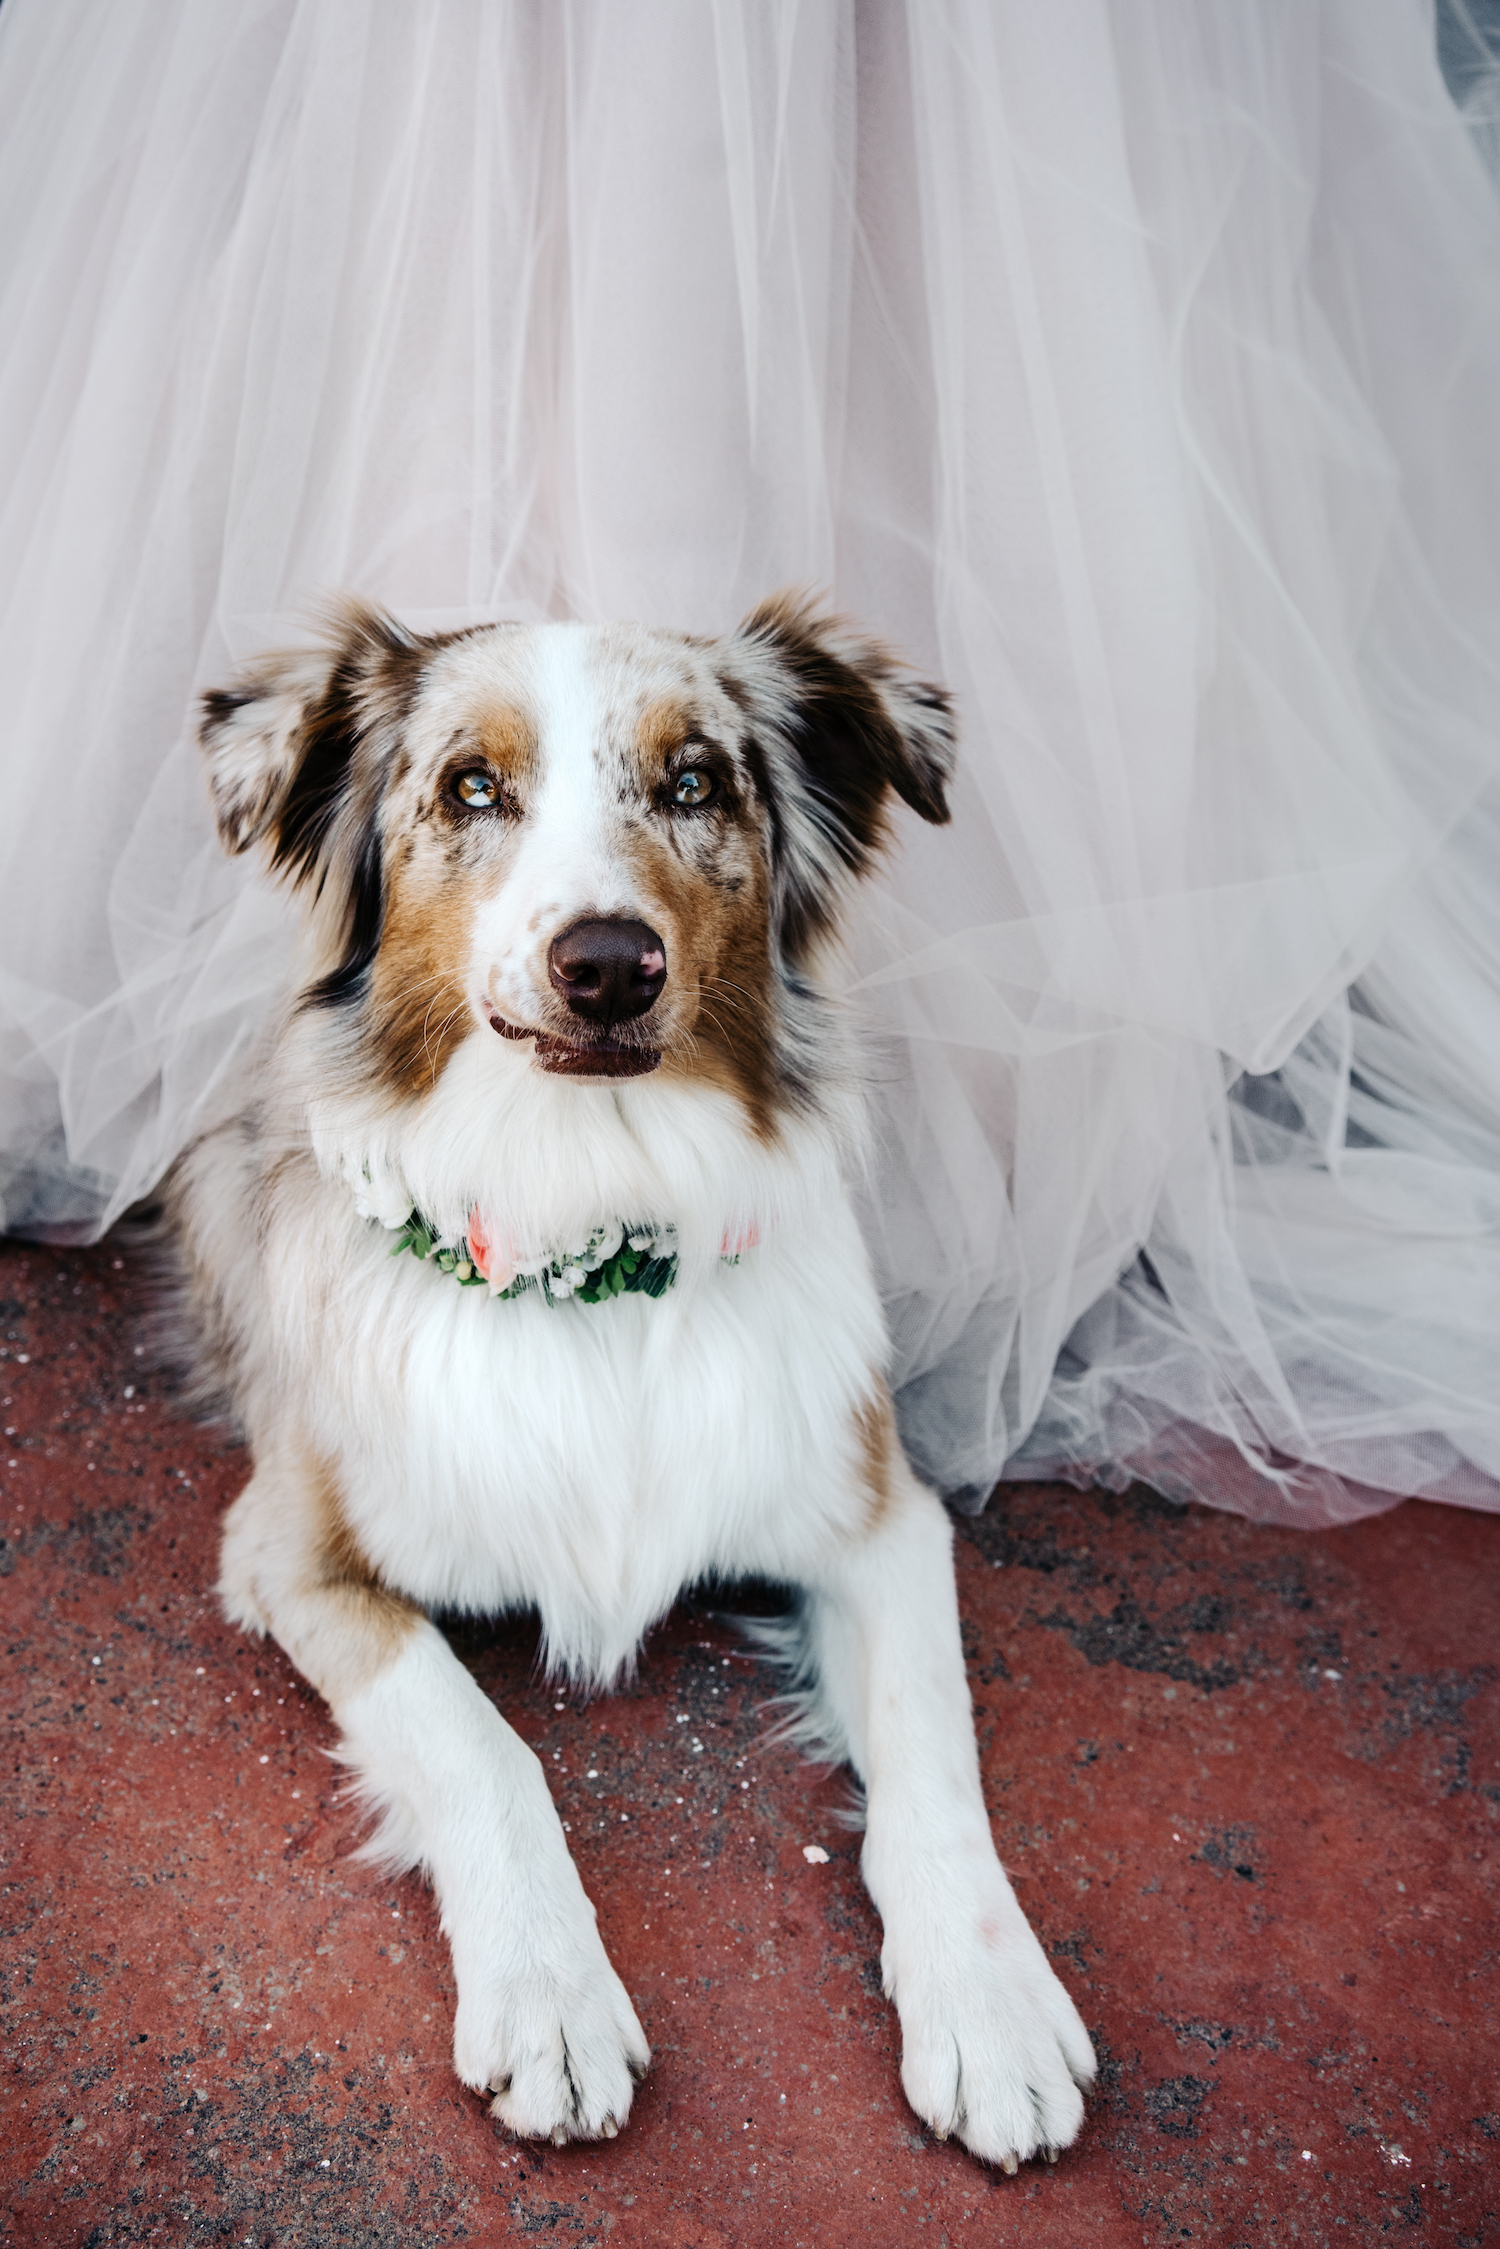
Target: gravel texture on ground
{"x": 1245, "y": 1779}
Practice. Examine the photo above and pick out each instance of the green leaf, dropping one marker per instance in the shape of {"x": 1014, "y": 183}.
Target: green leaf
{"x": 658, "y": 1276}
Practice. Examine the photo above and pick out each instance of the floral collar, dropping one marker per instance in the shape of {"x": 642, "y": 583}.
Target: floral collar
{"x": 615, "y": 1260}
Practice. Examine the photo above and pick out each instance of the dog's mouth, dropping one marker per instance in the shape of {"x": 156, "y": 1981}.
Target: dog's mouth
{"x": 604, "y": 1059}
{"x": 583, "y": 1058}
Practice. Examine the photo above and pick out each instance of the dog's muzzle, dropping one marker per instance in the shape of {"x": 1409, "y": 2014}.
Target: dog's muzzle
{"x": 611, "y": 974}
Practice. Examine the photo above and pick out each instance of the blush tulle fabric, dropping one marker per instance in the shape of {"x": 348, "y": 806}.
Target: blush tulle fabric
{"x": 1134, "y": 365}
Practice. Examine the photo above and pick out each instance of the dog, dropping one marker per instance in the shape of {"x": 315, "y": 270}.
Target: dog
{"x": 531, "y": 1271}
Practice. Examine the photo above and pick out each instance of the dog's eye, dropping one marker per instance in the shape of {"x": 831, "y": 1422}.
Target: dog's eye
{"x": 693, "y": 787}
{"x": 478, "y": 790}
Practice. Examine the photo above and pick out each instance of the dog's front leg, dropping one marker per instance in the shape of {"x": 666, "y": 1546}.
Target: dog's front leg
{"x": 992, "y": 2046}
{"x": 543, "y": 2020}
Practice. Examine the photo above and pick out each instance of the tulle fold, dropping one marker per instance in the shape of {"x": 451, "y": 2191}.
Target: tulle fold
{"x": 1134, "y": 367}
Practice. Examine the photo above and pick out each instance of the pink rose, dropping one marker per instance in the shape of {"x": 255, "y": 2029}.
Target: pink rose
{"x": 495, "y": 1259}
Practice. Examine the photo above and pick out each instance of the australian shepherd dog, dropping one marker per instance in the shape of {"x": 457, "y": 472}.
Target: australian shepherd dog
{"x": 531, "y": 1270}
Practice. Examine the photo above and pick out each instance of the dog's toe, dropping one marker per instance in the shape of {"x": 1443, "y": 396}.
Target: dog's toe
{"x": 559, "y": 2059}
{"x": 993, "y": 2051}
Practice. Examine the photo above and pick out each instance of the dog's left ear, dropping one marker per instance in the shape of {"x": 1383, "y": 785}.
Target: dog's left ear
{"x": 840, "y": 723}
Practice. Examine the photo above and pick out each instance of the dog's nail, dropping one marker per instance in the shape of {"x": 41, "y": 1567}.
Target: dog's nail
{"x": 940, "y": 2131}
{"x": 559, "y": 2136}
{"x": 610, "y": 2128}
{"x": 1051, "y": 2154}
{"x": 1009, "y": 2164}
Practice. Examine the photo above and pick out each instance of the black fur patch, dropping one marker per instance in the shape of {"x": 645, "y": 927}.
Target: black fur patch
{"x": 356, "y": 726}
{"x": 855, "y": 727}
{"x": 347, "y": 982}
{"x": 328, "y": 739}
{"x": 319, "y": 825}
{"x": 221, "y": 703}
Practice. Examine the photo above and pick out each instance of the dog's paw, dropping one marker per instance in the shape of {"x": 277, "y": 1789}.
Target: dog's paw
{"x": 993, "y": 2049}
{"x": 555, "y": 2040}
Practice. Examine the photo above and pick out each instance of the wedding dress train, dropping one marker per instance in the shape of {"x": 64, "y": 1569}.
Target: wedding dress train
{"x": 1134, "y": 366}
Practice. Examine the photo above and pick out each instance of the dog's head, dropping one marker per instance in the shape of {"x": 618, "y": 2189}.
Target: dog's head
{"x": 617, "y": 849}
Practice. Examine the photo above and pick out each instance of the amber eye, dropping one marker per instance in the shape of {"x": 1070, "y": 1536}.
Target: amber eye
{"x": 693, "y": 787}
{"x": 476, "y": 789}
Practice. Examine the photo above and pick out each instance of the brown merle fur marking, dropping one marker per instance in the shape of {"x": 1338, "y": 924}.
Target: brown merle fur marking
{"x": 875, "y": 1431}
{"x": 507, "y": 738}
{"x": 665, "y": 726}
{"x": 438, "y": 864}
{"x": 719, "y": 947}
{"x": 707, "y": 873}
{"x": 372, "y": 1623}
{"x": 417, "y": 1013}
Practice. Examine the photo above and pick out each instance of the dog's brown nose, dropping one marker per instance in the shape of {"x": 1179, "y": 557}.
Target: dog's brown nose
{"x": 608, "y": 971}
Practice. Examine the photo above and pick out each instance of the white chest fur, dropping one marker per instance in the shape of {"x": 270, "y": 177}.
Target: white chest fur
{"x": 589, "y": 1459}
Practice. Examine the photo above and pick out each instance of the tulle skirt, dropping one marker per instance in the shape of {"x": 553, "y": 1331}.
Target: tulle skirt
{"x": 1133, "y": 364}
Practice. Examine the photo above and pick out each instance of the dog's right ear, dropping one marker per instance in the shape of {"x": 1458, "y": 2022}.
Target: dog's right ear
{"x": 284, "y": 741}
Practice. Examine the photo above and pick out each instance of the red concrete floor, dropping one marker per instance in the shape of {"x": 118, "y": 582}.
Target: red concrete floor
{"x": 1246, "y": 1782}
